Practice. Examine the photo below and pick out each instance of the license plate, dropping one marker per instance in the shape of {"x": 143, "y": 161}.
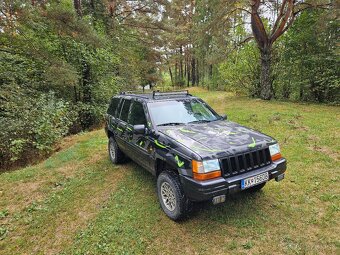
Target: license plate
{"x": 252, "y": 181}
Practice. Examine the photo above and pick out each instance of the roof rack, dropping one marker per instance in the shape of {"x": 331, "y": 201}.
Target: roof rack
{"x": 134, "y": 93}
{"x": 156, "y": 94}
{"x": 170, "y": 93}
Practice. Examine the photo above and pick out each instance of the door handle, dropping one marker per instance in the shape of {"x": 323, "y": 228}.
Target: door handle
{"x": 122, "y": 125}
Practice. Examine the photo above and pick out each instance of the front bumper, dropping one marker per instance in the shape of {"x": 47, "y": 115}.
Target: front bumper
{"x": 206, "y": 190}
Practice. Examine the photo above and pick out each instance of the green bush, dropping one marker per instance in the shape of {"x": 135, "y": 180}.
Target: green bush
{"x": 240, "y": 72}
{"x": 31, "y": 124}
{"x": 308, "y": 69}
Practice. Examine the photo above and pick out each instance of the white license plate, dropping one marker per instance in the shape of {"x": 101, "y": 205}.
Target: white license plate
{"x": 252, "y": 181}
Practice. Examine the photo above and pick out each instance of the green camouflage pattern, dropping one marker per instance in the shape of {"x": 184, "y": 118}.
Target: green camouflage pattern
{"x": 218, "y": 137}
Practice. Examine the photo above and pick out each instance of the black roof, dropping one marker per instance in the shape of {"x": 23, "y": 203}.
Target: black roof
{"x": 156, "y": 95}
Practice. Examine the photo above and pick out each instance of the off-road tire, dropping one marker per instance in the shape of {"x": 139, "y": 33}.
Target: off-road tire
{"x": 182, "y": 206}
{"x": 115, "y": 154}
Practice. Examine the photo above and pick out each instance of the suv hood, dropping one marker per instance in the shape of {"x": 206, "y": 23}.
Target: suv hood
{"x": 218, "y": 138}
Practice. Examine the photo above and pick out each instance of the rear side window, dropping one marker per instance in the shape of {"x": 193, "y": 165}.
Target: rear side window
{"x": 125, "y": 110}
{"x": 113, "y": 106}
{"x": 137, "y": 115}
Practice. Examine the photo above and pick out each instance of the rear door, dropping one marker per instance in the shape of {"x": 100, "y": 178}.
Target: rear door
{"x": 112, "y": 114}
{"x": 120, "y": 131}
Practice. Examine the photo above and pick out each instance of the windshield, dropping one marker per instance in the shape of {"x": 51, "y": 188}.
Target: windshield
{"x": 179, "y": 112}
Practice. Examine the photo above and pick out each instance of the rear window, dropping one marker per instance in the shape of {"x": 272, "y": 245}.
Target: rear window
{"x": 113, "y": 106}
{"x": 125, "y": 110}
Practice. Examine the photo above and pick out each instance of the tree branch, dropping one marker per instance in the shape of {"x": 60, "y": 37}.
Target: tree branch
{"x": 257, "y": 26}
{"x": 142, "y": 26}
{"x": 312, "y": 6}
{"x": 282, "y": 26}
{"x": 279, "y": 17}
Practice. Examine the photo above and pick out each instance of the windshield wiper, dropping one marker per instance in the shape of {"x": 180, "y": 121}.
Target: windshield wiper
{"x": 200, "y": 121}
{"x": 171, "y": 124}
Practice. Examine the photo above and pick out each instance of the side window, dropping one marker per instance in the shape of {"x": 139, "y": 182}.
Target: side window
{"x": 137, "y": 115}
{"x": 113, "y": 106}
{"x": 125, "y": 110}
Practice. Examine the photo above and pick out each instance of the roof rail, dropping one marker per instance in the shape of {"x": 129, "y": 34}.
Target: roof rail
{"x": 170, "y": 93}
{"x": 134, "y": 93}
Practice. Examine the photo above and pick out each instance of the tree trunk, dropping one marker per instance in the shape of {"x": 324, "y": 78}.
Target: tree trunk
{"x": 197, "y": 74}
{"x": 188, "y": 73}
{"x": 87, "y": 89}
{"x": 87, "y": 117}
{"x": 181, "y": 64}
{"x": 266, "y": 79}
{"x": 185, "y": 74}
{"x": 193, "y": 72}
{"x": 75, "y": 94}
{"x": 77, "y": 7}
{"x": 172, "y": 78}
{"x": 176, "y": 73}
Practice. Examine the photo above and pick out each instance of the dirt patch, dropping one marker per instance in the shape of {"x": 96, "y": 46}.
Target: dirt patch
{"x": 70, "y": 170}
{"x": 327, "y": 151}
{"x": 68, "y": 223}
{"x": 171, "y": 239}
{"x": 22, "y": 195}
{"x": 71, "y": 140}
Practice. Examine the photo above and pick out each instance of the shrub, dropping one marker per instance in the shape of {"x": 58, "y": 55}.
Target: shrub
{"x": 31, "y": 124}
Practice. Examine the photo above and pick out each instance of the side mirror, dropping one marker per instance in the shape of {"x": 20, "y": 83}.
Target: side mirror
{"x": 224, "y": 117}
{"x": 139, "y": 129}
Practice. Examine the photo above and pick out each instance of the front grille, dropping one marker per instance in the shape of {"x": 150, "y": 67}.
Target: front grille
{"x": 245, "y": 162}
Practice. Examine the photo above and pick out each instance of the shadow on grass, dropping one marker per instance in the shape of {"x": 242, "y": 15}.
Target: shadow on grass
{"x": 243, "y": 209}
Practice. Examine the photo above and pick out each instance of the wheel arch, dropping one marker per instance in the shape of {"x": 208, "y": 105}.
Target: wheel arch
{"x": 110, "y": 134}
{"x": 161, "y": 165}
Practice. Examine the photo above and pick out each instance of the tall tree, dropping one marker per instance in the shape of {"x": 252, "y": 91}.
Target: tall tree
{"x": 77, "y": 7}
{"x": 287, "y": 12}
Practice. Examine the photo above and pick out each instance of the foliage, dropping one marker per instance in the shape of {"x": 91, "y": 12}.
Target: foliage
{"x": 213, "y": 41}
{"x": 58, "y": 70}
{"x": 240, "y": 72}
{"x": 31, "y": 123}
{"x": 309, "y": 68}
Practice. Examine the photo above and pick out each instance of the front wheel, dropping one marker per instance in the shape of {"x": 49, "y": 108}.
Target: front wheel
{"x": 171, "y": 196}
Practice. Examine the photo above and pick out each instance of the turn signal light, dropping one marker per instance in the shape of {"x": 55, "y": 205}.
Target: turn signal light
{"x": 276, "y": 156}
{"x": 207, "y": 176}
{"x": 204, "y": 171}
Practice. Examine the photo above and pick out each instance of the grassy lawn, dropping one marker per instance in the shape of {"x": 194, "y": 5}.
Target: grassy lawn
{"x": 76, "y": 202}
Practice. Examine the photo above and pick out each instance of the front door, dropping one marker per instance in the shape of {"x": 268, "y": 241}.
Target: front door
{"x": 138, "y": 143}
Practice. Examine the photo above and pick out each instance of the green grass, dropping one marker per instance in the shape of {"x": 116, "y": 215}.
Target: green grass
{"x": 76, "y": 202}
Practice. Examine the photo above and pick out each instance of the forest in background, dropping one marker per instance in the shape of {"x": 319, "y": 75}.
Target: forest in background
{"x": 62, "y": 60}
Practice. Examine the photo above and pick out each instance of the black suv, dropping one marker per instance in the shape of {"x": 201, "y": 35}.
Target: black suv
{"x": 195, "y": 153}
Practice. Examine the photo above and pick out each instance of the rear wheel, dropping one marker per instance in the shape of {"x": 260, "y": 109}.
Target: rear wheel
{"x": 115, "y": 154}
{"x": 256, "y": 188}
{"x": 171, "y": 196}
